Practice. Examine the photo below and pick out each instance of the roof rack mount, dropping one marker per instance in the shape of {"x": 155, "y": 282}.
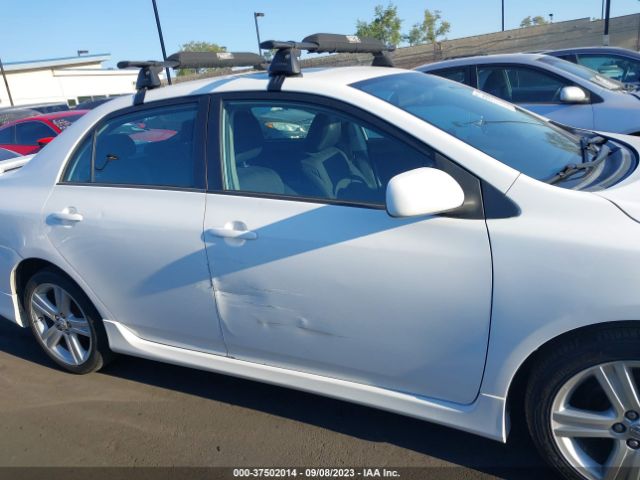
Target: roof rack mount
{"x": 286, "y": 60}
{"x": 149, "y": 78}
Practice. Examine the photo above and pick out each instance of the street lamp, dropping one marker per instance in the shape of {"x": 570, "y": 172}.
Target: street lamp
{"x": 255, "y": 19}
{"x": 551, "y": 18}
{"x": 6, "y": 83}
{"x": 503, "y": 15}
{"x": 607, "y": 12}
{"x": 164, "y": 51}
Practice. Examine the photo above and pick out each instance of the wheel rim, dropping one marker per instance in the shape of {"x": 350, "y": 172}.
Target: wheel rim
{"x": 61, "y": 324}
{"x": 595, "y": 421}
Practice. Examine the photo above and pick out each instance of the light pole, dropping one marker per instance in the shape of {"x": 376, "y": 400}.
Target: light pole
{"x": 164, "y": 51}
{"x": 607, "y": 12}
{"x": 503, "y": 15}
{"x": 255, "y": 19}
{"x": 551, "y": 18}
{"x": 6, "y": 83}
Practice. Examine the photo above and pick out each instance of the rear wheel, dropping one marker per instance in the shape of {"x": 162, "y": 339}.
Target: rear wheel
{"x": 65, "y": 323}
{"x": 583, "y": 405}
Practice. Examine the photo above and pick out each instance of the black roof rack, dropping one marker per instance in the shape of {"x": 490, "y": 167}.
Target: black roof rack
{"x": 149, "y": 79}
{"x": 286, "y": 61}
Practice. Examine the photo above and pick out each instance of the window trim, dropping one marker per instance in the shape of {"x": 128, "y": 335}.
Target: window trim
{"x": 567, "y": 81}
{"x": 200, "y": 153}
{"x": 472, "y": 208}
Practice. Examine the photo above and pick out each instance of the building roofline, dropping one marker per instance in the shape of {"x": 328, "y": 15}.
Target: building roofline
{"x": 56, "y": 62}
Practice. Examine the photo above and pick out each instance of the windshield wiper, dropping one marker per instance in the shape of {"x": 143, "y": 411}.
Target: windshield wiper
{"x": 570, "y": 170}
{"x": 590, "y": 144}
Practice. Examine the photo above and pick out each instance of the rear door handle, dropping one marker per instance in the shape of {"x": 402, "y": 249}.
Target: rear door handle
{"x": 67, "y": 215}
{"x": 225, "y": 232}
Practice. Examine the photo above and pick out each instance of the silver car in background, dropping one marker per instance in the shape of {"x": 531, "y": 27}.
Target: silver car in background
{"x": 562, "y": 91}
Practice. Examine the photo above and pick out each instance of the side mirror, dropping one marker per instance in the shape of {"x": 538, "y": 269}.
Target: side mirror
{"x": 423, "y": 191}
{"x": 45, "y": 140}
{"x": 573, "y": 95}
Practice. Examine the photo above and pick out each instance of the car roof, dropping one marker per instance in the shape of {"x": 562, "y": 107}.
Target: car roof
{"x": 526, "y": 58}
{"x": 595, "y": 49}
{"x": 313, "y": 80}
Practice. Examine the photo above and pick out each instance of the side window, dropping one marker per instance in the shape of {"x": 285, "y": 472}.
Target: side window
{"x": 326, "y": 155}
{"x": 154, "y": 147}
{"x": 28, "y": 133}
{"x": 521, "y": 84}
{"x": 6, "y": 136}
{"x": 455, "y": 74}
{"x": 612, "y": 66}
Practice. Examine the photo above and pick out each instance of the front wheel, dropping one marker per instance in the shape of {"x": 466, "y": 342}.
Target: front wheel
{"x": 65, "y": 323}
{"x": 583, "y": 405}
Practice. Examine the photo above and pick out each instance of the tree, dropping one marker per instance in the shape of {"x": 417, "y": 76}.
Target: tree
{"x": 431, "y": 28}
{"x": 385, "y": 25}
{"x": 197, "y": 46}
{"x": 537, "y": 20}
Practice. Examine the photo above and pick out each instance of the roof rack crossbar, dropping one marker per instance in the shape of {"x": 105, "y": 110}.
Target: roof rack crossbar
{"x": 286, "y": 62}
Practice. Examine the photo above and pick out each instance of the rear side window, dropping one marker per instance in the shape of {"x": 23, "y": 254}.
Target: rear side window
{"x": 6, "y": 135}
{"x": 154, "y": 147}
{"x": 456, "y": 74}
{"x": 28, "y": 133}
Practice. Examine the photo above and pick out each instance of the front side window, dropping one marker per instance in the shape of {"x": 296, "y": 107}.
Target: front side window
{"x": 622, "y": 69}
{"x": 322, "y": 154}
{"x": 520, "y": 84}
{"x": 28, "y": 133}
{"x": 582, "y": 72}
{"x": 502, "y": 130}
{"x": 154, "y": 147}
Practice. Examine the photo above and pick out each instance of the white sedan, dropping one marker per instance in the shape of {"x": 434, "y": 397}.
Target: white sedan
{"x": 417, "y": 246}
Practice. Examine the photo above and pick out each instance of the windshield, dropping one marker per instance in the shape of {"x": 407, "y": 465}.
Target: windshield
{"x": 64, "y": 122}
{"x": 507, "y": 133}
{"x": 583, "y": 72}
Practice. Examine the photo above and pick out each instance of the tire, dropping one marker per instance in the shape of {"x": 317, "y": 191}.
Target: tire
{"x": 65, "y": 323}
{"x": 598, "y": 373}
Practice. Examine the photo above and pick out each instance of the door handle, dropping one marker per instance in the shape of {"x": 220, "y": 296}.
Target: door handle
{"x": 226, "y": 232}
{"x": 67, "y": 215}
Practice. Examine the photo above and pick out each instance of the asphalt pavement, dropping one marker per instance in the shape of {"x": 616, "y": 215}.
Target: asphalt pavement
{"x": 139, "y": 413}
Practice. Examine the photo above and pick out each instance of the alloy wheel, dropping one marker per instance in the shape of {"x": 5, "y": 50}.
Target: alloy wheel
{"x": 60, "y": 324}
{"x": 595, "y": 421}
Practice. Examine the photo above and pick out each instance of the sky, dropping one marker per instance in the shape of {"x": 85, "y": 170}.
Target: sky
{"x": 38, "y": 29}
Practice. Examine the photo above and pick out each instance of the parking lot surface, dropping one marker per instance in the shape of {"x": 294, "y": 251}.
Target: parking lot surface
{"x": 139, "y": 413}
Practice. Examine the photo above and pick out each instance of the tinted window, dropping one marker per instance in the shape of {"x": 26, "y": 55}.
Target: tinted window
{"x": 613, "y": 66}
{"x": 6, "y": 135}
{"x": 502, "y": 130}
{"x": 151, "y": 147}
{"x": 582, "y": 72}
{"x": 28, "y": 133}
{"x": 7, "y": 154}
{"x": 334, "y": 156}
{"x": 455, "y": 74}
{"x": 520, "y": 84}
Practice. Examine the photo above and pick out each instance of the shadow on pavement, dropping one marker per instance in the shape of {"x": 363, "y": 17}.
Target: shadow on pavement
{"x": 516, "y": 460}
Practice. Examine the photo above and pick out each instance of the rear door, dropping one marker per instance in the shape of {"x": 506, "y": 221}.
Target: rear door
{"x": 311, "y": 273}
{"x": 127, "y": 216}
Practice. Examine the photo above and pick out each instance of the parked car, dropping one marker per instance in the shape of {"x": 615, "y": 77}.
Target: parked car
{"x": 618, "y": 63}
{"x": 422, "y": 248}
{"x": 29, "y": 135}
{"x": 562, "y": 91}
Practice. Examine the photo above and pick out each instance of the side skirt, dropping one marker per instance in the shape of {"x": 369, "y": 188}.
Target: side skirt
{"x": 485, "y": 417}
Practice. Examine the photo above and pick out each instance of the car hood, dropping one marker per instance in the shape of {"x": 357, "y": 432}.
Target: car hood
{"x": 626, "y": 195}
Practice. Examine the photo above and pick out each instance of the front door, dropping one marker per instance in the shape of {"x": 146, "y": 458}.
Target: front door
{"x": 310, "y": 272}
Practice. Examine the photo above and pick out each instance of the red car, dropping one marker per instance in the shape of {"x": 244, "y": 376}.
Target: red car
{"x": 29, "y": 135}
